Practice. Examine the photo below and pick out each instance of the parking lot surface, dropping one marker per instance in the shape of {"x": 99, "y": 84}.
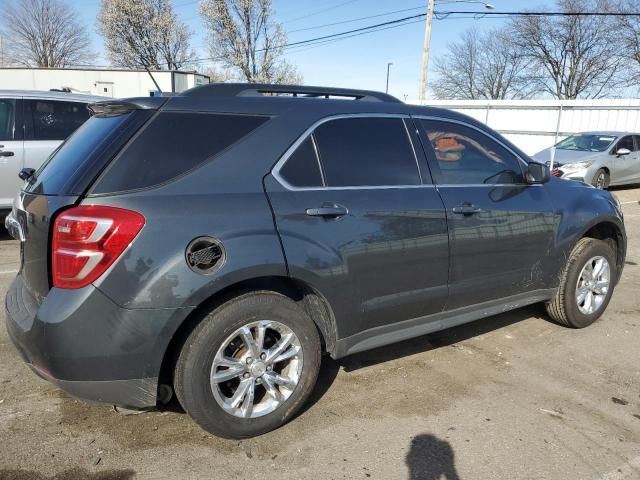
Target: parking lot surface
{"x": 510, "y": 397}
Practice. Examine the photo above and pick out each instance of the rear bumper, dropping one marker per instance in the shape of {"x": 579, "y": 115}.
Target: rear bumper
{"x": 90, "y": 347}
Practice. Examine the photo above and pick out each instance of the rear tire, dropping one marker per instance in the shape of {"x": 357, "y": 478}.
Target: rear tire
{"x": 601, "y": 179}
{"x": 586, "y": 284}
{"x": 240, "y": 340}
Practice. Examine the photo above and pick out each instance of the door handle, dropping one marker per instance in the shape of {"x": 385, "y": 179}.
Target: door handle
{"x": 466, "y": 209}
{"x": 6, "y": 154}
{"x": 328, "y": 211}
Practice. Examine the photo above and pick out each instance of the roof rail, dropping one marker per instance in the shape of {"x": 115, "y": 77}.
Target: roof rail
{"x": 267, "y": 89}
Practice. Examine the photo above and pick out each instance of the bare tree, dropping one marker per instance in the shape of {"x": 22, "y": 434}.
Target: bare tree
{"x": 44, "y": 33}
{"x": 629, "y": 33}
{"x": 482, "y": 66}
{"x": 144, "y": 33}
{"x": 573, "y": 56}
{"x": 244, "y": 36}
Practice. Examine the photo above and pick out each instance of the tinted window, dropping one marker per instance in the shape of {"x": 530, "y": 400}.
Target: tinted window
{"x": 466, "y": 156}
{"x": 302, "y": 168}
{"x": 7, "y": 118}
{"x": 625, "y": 142}
{"x": 54, "y": 120}
{"x": 172, "y": 144}
{"x": 73, "y": 155}
{"x": 366, "y": 152}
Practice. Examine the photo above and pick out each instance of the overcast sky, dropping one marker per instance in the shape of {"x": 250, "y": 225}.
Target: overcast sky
{"x": 358, "y": 62}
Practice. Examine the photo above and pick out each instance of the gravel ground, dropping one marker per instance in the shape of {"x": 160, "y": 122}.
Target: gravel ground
{"x": 510, "y": 397}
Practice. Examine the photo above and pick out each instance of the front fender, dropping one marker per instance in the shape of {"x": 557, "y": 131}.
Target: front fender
{"x": 579, "y": 208}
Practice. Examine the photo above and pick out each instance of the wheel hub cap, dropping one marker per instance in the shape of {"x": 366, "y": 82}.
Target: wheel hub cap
{"x": 256, "y": 369}
{"x": 593, "y": 285}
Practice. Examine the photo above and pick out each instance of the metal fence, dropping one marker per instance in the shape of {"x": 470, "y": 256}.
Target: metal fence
{"x": 537, "y": 124}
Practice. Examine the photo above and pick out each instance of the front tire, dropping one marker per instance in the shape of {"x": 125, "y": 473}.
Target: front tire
{"x": 586, "y": 284}
{"x": 249, "y": 366}
{"x": 601, "y": 179}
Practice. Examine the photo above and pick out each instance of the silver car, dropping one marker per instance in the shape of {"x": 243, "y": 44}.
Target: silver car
{"x": 32, "y": 125}
{"x": 597, "y": 158}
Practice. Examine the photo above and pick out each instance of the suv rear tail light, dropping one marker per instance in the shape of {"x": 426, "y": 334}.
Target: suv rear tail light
{"x": 87, "y": 240}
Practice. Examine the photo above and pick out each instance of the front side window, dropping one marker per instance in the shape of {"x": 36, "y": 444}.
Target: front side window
{"x": 366, "y": 152}
{"x": 54, "y": 119}
{"x": 464, "y": 155}
{"x": 7, "y": 118}
{"x": 625, "y": 142}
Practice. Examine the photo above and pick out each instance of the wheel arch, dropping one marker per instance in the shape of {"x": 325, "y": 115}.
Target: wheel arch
{"x": 308, "y": 298}
{"x": 609, "y": 231}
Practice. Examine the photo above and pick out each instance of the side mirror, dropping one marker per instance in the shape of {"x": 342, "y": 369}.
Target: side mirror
{"x": 537, "y": 173}
{"x": 623, "y": 151}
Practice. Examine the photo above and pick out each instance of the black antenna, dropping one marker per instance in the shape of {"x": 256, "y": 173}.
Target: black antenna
{"x": 154, "y": 80}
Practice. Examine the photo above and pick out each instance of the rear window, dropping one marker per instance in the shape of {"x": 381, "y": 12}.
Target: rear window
{"x": 172, "y": 144}
{"x": 71, "y": 168}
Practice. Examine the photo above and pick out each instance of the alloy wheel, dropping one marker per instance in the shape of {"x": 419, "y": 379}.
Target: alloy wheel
{"x": 593, "y": 285}
{"x": 256, "y": 369}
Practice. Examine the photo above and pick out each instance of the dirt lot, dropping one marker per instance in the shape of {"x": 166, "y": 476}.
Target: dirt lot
{"x": 511, "y": 397}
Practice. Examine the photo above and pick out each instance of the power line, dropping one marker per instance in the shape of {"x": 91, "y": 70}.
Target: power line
{"x": 401, "y": 22}
{"x": 317, "y": 12}
{"x": 304, "y": 48}
{"x": 355, "y": 19}
{"x": 542, "y": 14}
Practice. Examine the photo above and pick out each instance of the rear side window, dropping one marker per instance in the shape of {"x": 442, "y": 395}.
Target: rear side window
{"x": 366, "y": 152}
{"x": 53, "y": 119}
{"x": 465, "y": 156}
{"x": 7, "y": 118}
{"x": 302, "y": 168}
{"x": 172, "y": 144}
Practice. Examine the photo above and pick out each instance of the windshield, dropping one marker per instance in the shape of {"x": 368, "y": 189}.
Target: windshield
{"x": 586, "y": 143}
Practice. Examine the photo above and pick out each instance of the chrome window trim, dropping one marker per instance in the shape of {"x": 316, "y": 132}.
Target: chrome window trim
{"x": 492, "y": 185}
{"x": 275, "y": 171}
{"x": 465, "y": 124}
{"x": 413, "y": 149}
{"x": 315, "y": 149}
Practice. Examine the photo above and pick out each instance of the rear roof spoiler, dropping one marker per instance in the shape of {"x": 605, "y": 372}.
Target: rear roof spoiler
{"x": 119, "y": 107}
{"x": 270, "y": 90}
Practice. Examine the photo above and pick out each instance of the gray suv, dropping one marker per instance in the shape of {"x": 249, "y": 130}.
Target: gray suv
{"x": 218, "y": 243}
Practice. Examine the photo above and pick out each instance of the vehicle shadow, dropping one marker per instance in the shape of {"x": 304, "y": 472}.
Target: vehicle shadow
{"x": 4, "y": 235}
{"x": 440, "y": 339}
{"x": 330, "y": 368}
{"x": 430, "y": 458}
{"x": 631, "y": 186}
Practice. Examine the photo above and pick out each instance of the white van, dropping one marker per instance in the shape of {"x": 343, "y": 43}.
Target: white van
{"x": 32, "y": 125}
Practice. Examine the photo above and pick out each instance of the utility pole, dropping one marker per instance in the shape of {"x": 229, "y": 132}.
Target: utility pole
{"x": 388, "y": 66}
{"x": 425, "y": 50}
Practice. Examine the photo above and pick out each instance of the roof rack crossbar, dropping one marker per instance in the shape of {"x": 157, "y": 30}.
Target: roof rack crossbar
{"x": 296, "y": 91}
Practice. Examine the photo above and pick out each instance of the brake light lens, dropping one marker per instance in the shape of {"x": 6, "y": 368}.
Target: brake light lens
{"x": 87, "y": 240}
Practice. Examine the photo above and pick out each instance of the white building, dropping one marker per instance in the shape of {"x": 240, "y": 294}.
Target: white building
{"x": 116, "y": 83}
